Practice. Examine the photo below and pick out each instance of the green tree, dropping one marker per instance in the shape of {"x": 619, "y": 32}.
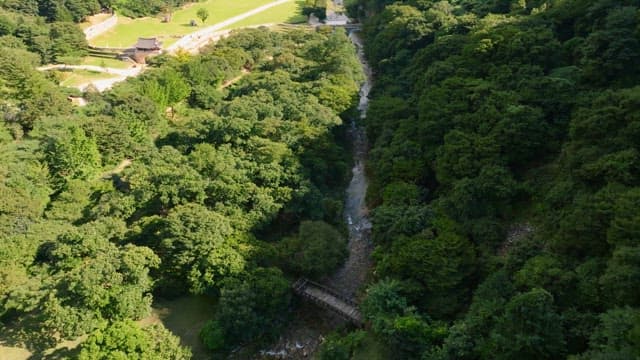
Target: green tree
{"x": 166, "y": 89}
{"x": 198, "y": 248}
{"x": 616, "y": 337}
{"x": 623, "y": 271}
{"x": 89, "y": 279}
{"x": 27, "y": 90}
{"x": 529, "y": 329}
{"x": 316, "y": 250}
{"x": 469, "y": 338}
{"x": 384, "y": 298}
{"x": 397, "y": 323}
{"x": 440, "y": 260}
{"x": 71, "y": 155}
{"x": 68, "y": 43}
{"x": 203, "y": 14}
{"x": 250, "y": 307}
{"x": 341, "y": 347}
{"x": 122, "y": 340}
{"x": 163, "y": 180}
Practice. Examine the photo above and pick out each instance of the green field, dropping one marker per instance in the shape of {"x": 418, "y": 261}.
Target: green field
{"x": 290, "y": 13}
{"x": 80, "y": 77}
{"x": 184, "y": 317}
{"x": 129, "y": 30}
{"x": 104, "y": 62}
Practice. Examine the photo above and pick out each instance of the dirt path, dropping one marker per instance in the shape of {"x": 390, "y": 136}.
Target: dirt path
{"x": 103, "y": 84}
{"x": 132, "y": 71}
{"x": 230, "y": 82}
{"x": 118, "y": 169}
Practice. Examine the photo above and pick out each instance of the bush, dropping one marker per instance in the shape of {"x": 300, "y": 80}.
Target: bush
{"x": 341, "y": 347}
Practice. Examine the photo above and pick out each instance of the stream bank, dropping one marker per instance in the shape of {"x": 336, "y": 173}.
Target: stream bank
{"x": 310, "y": 324}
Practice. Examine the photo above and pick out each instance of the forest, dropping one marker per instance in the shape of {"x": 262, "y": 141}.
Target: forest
{"x": 504, "y": 192}
{"x": 505, "y": 179}
{"x": 78, "y": 10}
{"x": 219, "y": 174}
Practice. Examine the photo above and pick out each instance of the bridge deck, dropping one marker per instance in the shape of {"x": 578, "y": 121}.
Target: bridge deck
{"x": 328, "y": 299}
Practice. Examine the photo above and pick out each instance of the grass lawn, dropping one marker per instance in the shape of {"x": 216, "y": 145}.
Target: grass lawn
{"x": 371, "y": 349}
{"x": 184, "y": 317}
{"x": 104, "y": 62}
{"x": 79, "y": 77}
{"x": 127, "y": 32}
{"x": 290, "y": 13}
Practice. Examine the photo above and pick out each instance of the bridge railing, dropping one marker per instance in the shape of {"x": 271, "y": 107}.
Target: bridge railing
{"x": 302, "y": 284}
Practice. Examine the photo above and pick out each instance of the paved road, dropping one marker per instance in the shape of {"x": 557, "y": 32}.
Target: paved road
{"x": 190, "y": 43}
{"x": 133, "y": 71}
{"x": 103, "y": 84}
{"x": 200, "y": 38}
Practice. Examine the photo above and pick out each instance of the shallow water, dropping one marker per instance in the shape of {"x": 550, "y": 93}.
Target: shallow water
{"x": 305, "y": 333}
{"x": 352, "y": 275}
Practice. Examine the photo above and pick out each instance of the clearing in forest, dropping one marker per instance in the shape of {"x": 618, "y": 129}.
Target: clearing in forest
{"x": 287, "y": 13}
{"x": 128, "y": 30}
{"x": 77, "y": 78}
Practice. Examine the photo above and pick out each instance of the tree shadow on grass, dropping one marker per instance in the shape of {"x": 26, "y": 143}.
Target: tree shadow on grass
{"x": 57, "y": 354}
{"x": 298, "y": 17}
{"x": 27, "y": 333}
{"x": 23, "y": 334}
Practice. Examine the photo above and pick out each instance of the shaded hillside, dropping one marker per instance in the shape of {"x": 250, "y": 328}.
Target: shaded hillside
{"x": 491, "y": 119}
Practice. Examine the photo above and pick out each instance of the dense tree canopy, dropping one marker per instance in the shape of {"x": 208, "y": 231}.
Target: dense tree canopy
{"x": 316, "y": 250}
{"x": 170, "y": 184}
{"x": 126, "y": 340}
{"x": 504, "y": 172}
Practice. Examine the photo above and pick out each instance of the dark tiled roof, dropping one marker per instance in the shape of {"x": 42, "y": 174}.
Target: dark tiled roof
{"x": 148, "y": 44}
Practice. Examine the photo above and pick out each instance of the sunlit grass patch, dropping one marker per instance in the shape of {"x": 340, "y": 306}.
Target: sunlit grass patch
{"x": 128, "y": 30}
{"x": 105, "y": 62}
{"x": 287, "y": 13}
{"x": 76, "y": 78}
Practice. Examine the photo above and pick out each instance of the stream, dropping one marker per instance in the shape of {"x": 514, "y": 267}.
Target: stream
{"x": 352, "y": 275}
{"x": 310, "y": 324}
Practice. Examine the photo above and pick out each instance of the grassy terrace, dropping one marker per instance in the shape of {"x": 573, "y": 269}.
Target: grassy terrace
{"x": 105, "y": 62}
{"x": 81, "y": 77}
{"x": 129, "y": 30}
{"x": 290, "y": 13}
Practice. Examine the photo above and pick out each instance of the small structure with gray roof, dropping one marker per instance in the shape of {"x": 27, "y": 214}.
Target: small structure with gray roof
{"x": 144, "y": 48}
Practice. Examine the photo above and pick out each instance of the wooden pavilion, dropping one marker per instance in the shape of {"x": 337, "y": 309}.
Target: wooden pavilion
{"x": 146, "y": 47}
